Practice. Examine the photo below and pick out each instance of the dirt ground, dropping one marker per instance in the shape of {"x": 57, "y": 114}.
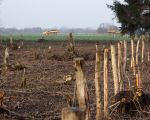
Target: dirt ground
{"x": 45, "y": 92}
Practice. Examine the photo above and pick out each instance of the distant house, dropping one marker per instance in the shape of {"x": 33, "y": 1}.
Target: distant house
{"x": 113, "y": 32}
{"x": 50, "y": 32}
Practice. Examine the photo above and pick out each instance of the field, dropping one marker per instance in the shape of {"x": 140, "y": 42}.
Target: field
{"x": 61, "y": 36}
{"x": 45, "y": 92}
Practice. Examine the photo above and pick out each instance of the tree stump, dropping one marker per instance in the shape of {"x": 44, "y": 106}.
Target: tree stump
{"x": 73, "y": 113}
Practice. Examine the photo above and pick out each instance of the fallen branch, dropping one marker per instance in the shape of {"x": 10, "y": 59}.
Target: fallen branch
{"x": 114, "y": 104}
{"x": 117, "y": 104}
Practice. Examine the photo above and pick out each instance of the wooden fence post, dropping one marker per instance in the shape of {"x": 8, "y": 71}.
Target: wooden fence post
{"x": 137, "y": 52}
{"x": 120, "y": 66}
{"x": 114, "y": 68}
{"x": 138, "y": 80}
{"x": 132, "y": 57}
{"x": 143, "y": 48}
{"x": 148, "y": 51}
{"x": 106, "y": 112}
{"x": 148, "y": 55}
{"x": 124, "y": 55}
{"x": 132, "y": 53}
{"x": 97, "y": 85}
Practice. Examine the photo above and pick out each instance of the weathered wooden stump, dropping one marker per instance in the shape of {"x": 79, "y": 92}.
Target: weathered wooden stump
{"x": 6, "y": 57}
{"x": 73, "y": 113}
{"x": 82, "y": 111}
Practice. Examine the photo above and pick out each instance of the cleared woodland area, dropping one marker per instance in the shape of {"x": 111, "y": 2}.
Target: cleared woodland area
{"x": 40, "y": 78}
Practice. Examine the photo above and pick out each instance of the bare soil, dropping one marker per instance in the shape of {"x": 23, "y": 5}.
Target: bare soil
{"x": 45, "y": 93}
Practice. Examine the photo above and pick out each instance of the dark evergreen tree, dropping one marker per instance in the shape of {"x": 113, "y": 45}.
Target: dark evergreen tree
{"x": 134, "y": 15}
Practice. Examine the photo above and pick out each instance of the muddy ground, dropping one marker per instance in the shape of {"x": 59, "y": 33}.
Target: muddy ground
{"x": 45, "y": 92}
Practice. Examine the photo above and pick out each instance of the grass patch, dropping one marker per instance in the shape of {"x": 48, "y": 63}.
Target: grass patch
{"x": 61, "y": 37}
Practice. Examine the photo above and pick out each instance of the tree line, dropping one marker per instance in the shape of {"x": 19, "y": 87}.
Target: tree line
{"x": 103, "y": 28}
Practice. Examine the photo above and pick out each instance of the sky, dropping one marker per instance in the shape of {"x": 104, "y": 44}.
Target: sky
{"x": 55, "y": 13}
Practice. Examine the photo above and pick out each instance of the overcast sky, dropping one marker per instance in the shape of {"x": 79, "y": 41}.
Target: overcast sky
{"x": 55, "y": 13}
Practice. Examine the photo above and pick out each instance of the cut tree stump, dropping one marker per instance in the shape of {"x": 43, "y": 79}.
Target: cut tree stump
{"x": 82, "y": 89}
{"x": 73, "y": 113}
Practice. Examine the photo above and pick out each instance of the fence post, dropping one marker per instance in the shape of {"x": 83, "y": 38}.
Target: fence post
{"x": 137, "y": 52}
{"x": 148, "y": 55}
{"x": 114, "y": 68}
{"x": 148, "y": 51}
{"x": 97, "y": 85}
{"x": 106, "y": 112}
{"x": 132, "y": 57}
{"x": 120, "y": 66}
{"x": 143, "y": 48}
{"x": 138, "y": 80}
{"x": 124, "y": 56}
